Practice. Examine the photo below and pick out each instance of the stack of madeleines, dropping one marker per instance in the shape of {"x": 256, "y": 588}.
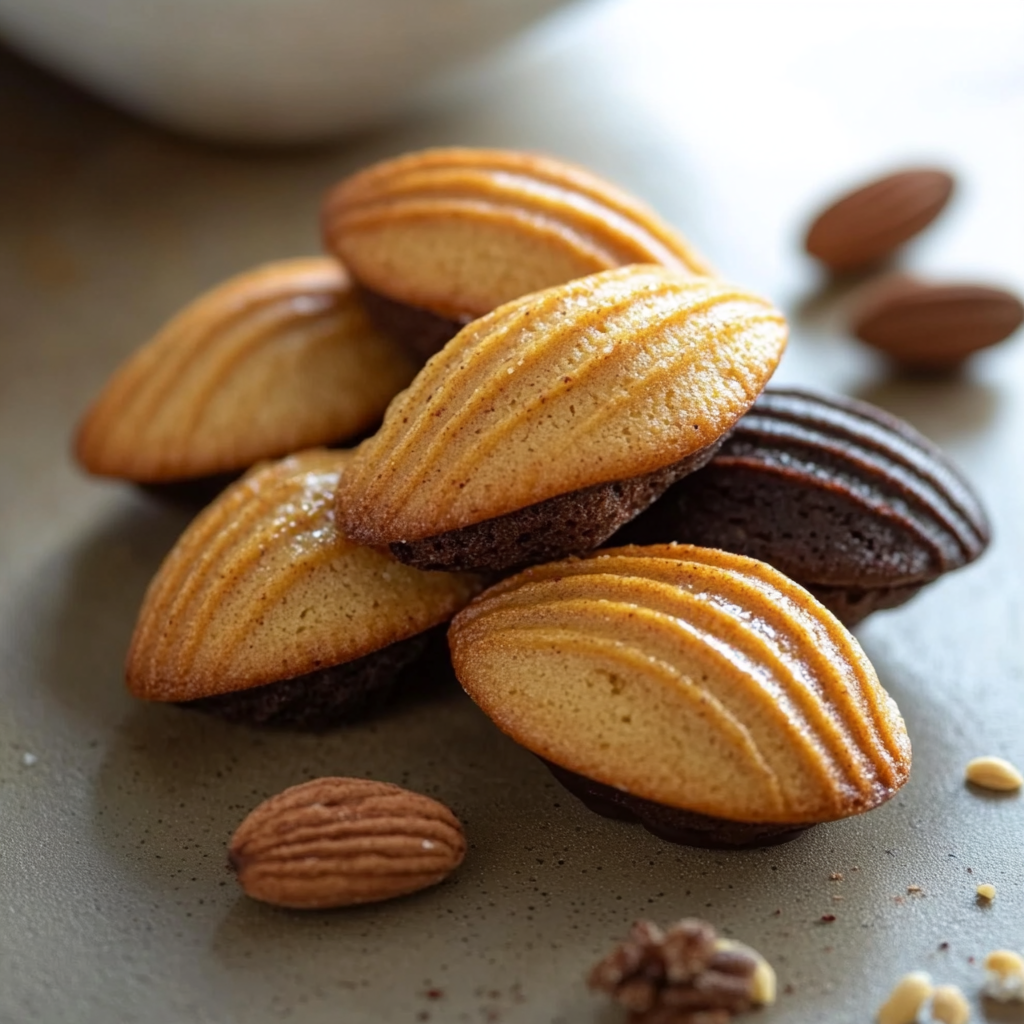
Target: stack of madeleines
{"x": 649, "y": 562}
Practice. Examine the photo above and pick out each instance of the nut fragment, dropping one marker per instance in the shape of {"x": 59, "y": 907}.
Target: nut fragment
{"x": 994, "y": 773}
{"x": 912, "y": 991}
{"x": 764, "y": 980}
{"x": 684, "y": 975}
{"x": 987, "y": 891}
{"x": 949, "y": 1005}
{"x": 335, "y": 842}
{"x": 1004, "y": 976}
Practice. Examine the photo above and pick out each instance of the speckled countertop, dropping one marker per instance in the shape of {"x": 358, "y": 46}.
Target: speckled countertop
{"x": 116, "y": 903}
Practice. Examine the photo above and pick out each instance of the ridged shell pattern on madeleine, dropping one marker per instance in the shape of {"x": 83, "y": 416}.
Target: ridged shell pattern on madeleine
{"x": 276, "y": 359}
{"x": 262, "y": 587}
{"x": 599, "y": 380}
{"x": 851, "y": 502}
{"x": 458, "y": 232}
{"x": 698, "y": 679}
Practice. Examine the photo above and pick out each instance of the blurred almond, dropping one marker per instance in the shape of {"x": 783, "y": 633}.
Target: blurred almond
{"x": 279, "y": 358}
{"x": 336, "y": 842}
{"x": 458, "y": 232}
{"x": 934, "y": 326}
{"x": 867, "y": 225}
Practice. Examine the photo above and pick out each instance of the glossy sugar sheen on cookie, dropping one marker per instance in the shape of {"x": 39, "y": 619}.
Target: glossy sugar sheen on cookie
{"x": 279, "y": 358}
{"x": 687, "y": 676}
{"x": 264, "y": 587}
{"x": 831, "y": 491}
{"x": 603, "y": 379}
{"x": 458, "y": 232}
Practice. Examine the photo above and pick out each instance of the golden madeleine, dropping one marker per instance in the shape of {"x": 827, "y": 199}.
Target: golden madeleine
{"x": 595, "y": 395}
{"x": 687, "y": 678}
{"x": 276, "y": 359}
{"x": 458, "y": 232}
{"x": 264, "y": 588}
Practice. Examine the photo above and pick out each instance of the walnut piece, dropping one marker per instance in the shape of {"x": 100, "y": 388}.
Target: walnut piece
{"x": 683, "y": 975}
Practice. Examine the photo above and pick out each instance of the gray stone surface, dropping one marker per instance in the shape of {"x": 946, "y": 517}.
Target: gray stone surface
{"x": 115, "y": 901}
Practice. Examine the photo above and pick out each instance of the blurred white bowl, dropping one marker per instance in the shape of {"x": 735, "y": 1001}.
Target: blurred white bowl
{"x": 260, "y": 70}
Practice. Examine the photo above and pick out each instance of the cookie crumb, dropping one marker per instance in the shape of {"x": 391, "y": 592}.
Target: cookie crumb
{"x": 987, "y": 891}
{"x": 949, "y": 1005}
{"x": 836, "y": 876}
{"x": 904, "y": 1004}
{"x": 1004, "y": 976}
{"x": 914, "y": 888}
{"x": 828, "y": 918}
{"x": 28, "y": 760}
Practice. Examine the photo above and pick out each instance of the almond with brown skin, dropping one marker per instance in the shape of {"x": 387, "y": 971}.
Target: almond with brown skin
{"x": 335, "y": 842}
{"x": 934, "y": 326}
{"x": 868, "y": 224}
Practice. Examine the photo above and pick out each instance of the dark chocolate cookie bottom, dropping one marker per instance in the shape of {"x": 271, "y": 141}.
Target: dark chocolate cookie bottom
{"x": 193, "y": 493}
{"x": 567, "y": 524}
{"x": 805, "y": 532}
{"x": 321, "y": 699}
{"x": 671, "y": 823}
{"x": 421, "y": 332}
{"x": 851, "y": 605}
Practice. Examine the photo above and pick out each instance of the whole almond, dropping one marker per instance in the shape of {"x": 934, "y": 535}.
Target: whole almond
{"x": 335, "y": 842}
{"x": 867, "y": 224}
{"x": 934, "y": 326}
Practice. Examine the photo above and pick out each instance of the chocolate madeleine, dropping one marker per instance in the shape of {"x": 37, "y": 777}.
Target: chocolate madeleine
{"x": 276, "y": 359}
{"x": 544, "y": 426}
{"x": 440, "y": 237}
{"x": 701, "y": 692}
{"x": 266, "y": 612}
{"x": 851, "y": 502}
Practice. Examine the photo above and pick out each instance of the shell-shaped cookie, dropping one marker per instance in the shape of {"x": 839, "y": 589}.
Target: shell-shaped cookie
{"x": 458, "y": 232}
{"x": 262, "y": 587}
{"x": 598, "y": 380}
{"x": 691, "y": 677}
{"x": 276, "y": 359}
{"x": 832, "y": 492}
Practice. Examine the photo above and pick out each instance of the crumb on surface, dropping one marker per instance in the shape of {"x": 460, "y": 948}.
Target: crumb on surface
{"x": 987, "y": 891}
{"x": 904, "y": 1004}
{"x": 949, "y": 1005}
{"x": 28, "y": 759}
{"x": 828, "y": 918}
{"x": 1004, "y": 976}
